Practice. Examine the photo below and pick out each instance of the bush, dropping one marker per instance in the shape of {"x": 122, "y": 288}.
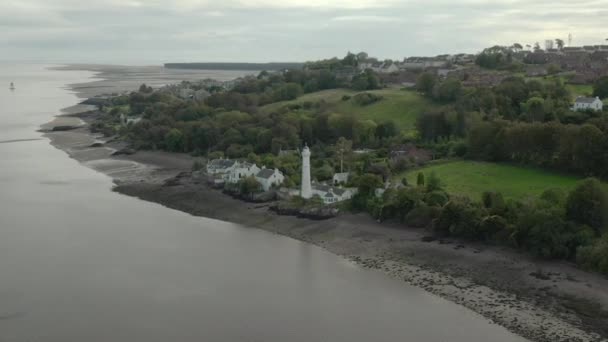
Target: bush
{"x": 436, "y": 198}
{"x": 346, "y": 97}
{"x": 460, "y": 217}
{"x": 420, "y": 179}
{"x": 594, "y": 257}
{"x": 216, "y": 155}
{"x": 400, "y": 164}
{"x": 397, "y": 204}
{"x": 588, "y": 204}
{"x": 494, "y": 228}
{"x": 545, "y": 232}
{"x": 365, "y": 99}
{"x": 554, "y": 196}
{"x": 422, "y": 216}
{"x": 434, "y": 183}
{"x": 493, "y": 201}
{"x": 249, "y": 186}
{"x": 174, "y": 140}
{"x": 460, "y": 149}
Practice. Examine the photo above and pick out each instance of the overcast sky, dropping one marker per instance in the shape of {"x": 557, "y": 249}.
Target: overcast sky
{"x": 156, "y": 31}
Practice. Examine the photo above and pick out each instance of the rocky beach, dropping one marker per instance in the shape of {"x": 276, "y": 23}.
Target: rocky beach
{"x": 539, "y": 300}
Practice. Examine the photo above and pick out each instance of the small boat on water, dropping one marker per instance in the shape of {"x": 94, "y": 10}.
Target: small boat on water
{"x": 12, "y": 86}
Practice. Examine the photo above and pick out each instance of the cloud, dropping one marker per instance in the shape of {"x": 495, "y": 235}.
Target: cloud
{"x": 260, "y": 30}
{"x": 365, "y": 18}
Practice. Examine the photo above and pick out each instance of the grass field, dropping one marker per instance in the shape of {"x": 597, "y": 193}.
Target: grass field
{"x": 401, "y": 106}
{"x": 473, "y": 178}
{"x": 580, "y": 89}
{"x": 575, "y": 89}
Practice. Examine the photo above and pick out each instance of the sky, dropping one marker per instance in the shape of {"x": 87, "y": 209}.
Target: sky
{"x": 158, "y": 31}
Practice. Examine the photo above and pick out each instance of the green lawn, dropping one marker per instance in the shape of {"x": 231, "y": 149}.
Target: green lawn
{"x": 473, "y": 178}
{"x": 580, "y": 89}
{"x": 401, "y": 106}
{"x": 575, "y": 89}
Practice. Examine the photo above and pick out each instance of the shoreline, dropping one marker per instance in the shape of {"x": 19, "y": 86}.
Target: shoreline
{"x": 541, "y": 301}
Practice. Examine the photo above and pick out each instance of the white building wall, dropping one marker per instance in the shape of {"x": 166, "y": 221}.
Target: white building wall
{"x": 275, "y": 180}
{"x": 306, "y": 189}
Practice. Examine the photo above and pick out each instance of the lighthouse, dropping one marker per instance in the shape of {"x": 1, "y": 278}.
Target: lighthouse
{"x": 306, "y": 190}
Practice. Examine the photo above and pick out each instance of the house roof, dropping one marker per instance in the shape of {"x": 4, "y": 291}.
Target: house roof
{"x": 245, "y": 165}
{"x": 338, "y": 191}
{"x": 222, "y": 163}
{"x": 329, "y": 189}
{"x": 586, "y": 99}
{"x": 265, "y": 173}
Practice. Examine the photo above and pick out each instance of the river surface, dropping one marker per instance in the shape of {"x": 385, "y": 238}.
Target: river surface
{"x": 81, "y": 263}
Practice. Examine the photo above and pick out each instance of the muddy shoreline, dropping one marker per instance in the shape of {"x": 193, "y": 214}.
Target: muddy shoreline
{"x": 539, "y": 300}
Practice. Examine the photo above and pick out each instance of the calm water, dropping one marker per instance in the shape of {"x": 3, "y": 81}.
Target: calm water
{"x": 80, "y": 263}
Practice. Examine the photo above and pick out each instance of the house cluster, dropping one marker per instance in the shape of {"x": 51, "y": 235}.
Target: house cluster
{"x": 199, "y": 90}
{"x": 229, "y": 171}
{"x": 414, "y": 63}
{"x": 588, "y": 103}
{"x": 387, "y": 67}
{"x": 587, "y": 62}
{"x": 187, "y": 91}
{"x": 475, "y": 76}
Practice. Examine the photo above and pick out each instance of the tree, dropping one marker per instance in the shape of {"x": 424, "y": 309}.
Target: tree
{"x": 588, "y": 204}
{"x": 344, "y": 149}
{"x": 386, "y": 129}
{"x": 366, "y": 185}
{"x": 426, "y": 83}
{"x": 368, "y": 80}
{"x": 249, "y": 186}
{"x": 174, "y": 140}
{"x": 595, "y": 257}
{"x": 559, "y": 43}
{"x": 535, "y": 109}
{"x": 517, "y": 47}
{"x": 460, "y": 217}
{"x": 493, "y": 201}
{"x": 420, "y": 179}
{"x": 145, "y": 89}
{"x": 553, "y": 69}
{"x": 537, "y": 47}
{"x": 434, "y": 183}
{"x": 600, "y": 88}
{"x": 448, "y": 90}
{"x": 290, "y": 91}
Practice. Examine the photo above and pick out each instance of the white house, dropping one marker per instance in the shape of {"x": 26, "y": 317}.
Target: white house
{"x": 331, "y": 195}
{"x": 242, "y": 170}
{"x": 125, "y": 120}
{"x": 341, "y": 178}
{"x": 389, "y": 68}
{"x": 269, "y": 178}
{"x": 221, "y": 166}
{"x": 200, "y": 95}
{"x": 585, "y": 103}
{"x": 186, "y": 93}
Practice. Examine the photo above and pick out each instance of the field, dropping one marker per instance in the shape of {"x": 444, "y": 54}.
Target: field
{"x": 401, "y": 106}
{"x": 575, "y": 89}
{"x": 473, "y": 178}
{"x": 580, "y": 89}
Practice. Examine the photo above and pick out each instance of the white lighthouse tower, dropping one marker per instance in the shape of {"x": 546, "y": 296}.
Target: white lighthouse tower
{"x": 306, "y": 190}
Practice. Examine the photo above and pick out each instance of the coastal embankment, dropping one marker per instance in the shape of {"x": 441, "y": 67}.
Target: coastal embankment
{"x": 539, "y": 300}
